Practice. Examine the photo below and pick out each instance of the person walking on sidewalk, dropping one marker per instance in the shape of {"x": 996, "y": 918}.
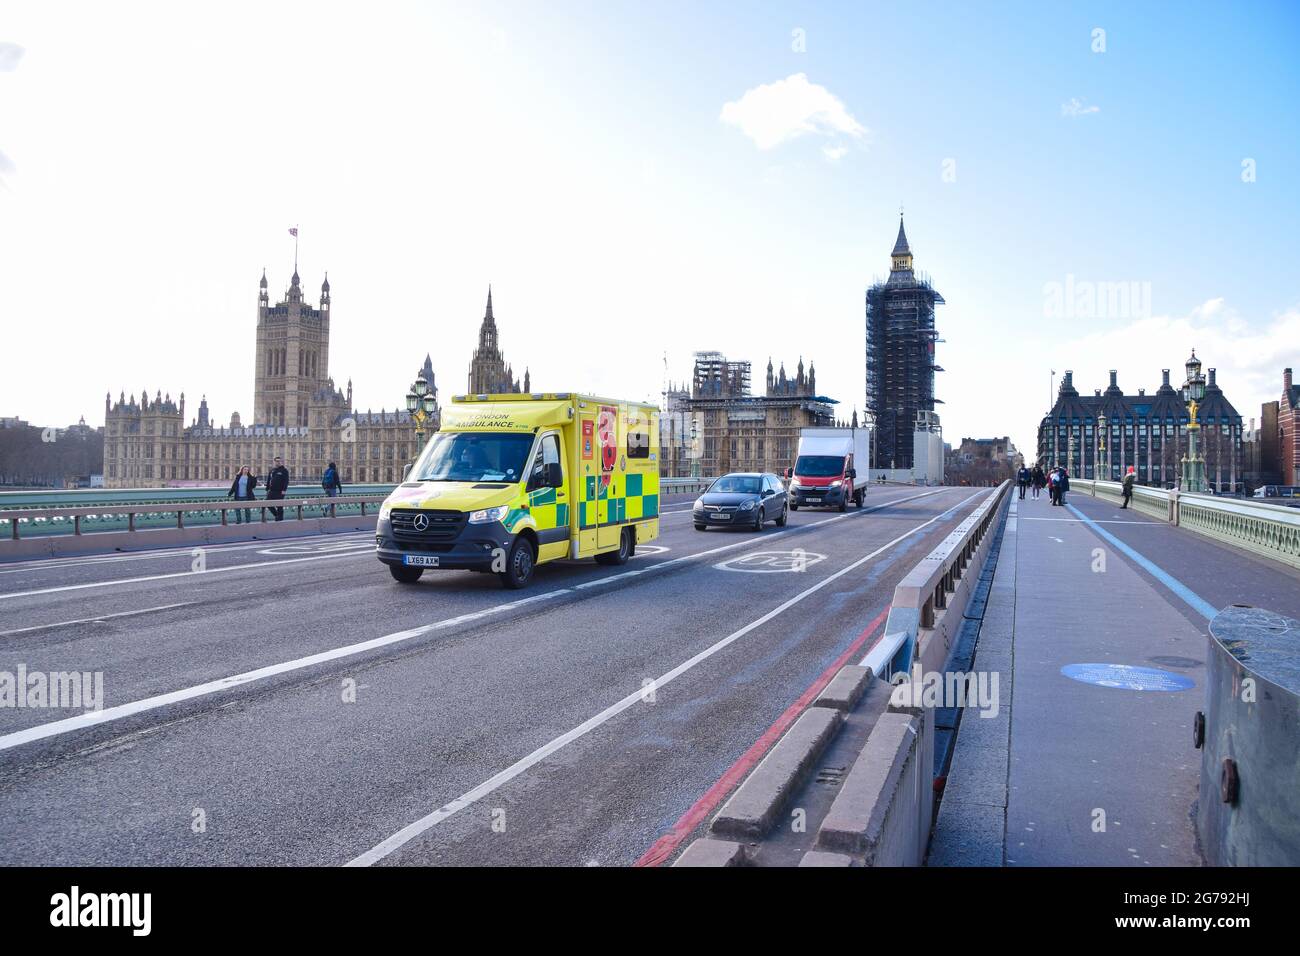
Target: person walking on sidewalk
{"x": 1038, "y": 479}
{"x": 1129, "y": 478}
{"x": 1062, "y": 484}
{"x": 330, "y": 482}
{"x": 241, "y": 489}
{"x": 1022, "y": 481}
{"x": 277, "y": 483}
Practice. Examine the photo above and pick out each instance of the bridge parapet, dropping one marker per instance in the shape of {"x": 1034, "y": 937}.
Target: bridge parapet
{"x": 1272, "y": 531}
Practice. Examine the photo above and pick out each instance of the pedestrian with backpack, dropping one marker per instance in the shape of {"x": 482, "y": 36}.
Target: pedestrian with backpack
{"x": 330, "y": 482}
{"x": 1129, "y": 478}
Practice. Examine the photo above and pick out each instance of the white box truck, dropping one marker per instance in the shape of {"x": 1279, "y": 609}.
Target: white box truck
{"x": 827, "y": 468}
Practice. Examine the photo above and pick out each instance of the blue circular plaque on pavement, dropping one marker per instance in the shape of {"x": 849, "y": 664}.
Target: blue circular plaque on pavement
{"x": 1127, "y": 677}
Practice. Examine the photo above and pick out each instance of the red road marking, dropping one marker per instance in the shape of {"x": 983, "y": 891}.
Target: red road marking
{"x": 667, "y": 844}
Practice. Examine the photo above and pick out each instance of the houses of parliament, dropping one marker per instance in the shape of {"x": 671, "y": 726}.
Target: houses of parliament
{"x": 298, "y": 412}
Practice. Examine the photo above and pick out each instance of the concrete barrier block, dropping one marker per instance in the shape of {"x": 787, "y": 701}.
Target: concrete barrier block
{"x": 754, "y": 807}
{"x": 876, "y": 803}
{"x": 706, "y": 852}
{"x": 845, "y": 689}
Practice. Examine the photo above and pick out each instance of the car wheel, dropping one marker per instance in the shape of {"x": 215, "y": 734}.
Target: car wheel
{"x": 785, "y": 513}
{"x": 405, "y": 575}
{"x": 520, "y": 564}
{"x": 626, "y": 545}
{"x": 794, "y": 507}
{"x": 758, "y": 520}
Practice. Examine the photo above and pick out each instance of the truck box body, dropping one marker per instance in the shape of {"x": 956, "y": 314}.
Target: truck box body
{"x": 570, "y": 473}
{"x": 831, "y": 467}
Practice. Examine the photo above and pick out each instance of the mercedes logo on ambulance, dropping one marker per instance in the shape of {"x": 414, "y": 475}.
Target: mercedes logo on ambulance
{"x": 421, "y": 523}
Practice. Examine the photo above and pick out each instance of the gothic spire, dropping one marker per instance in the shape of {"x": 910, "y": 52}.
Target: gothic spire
{"x": 901, "y": 247}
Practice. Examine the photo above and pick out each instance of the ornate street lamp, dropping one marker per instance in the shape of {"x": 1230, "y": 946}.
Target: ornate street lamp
{"x": 421, "y": 402}
{"x": 1193, "y": 392}
{"x": 1102, "y": 453}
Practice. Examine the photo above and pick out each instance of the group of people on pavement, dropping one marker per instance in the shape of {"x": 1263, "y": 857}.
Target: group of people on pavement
{"x": 277, "y": 483}
{"x": 1057, "y": 482}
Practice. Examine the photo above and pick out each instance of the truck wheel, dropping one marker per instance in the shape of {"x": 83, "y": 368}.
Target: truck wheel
{"x": 780, "y": 522}
{"x": 626, "y": 547}
{"x": 520, "y": 563}
{"x": 401, "y": 572}
{"x": 844, "y": 503}
{"x": 859, "y": 497}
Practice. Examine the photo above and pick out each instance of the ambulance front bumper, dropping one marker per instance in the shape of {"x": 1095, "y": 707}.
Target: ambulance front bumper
{"x": 467, "y": 547}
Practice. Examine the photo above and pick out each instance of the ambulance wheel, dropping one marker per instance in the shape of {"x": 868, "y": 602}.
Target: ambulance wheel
{"x": 785, "y": 512}
{"x": 401, "y": 572}
{"x": 626, "y": 546}
{"x": 520, "y": 563}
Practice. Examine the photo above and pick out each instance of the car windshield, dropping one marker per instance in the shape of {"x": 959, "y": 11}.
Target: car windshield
{"x": 819, "y": 466}
{"x": 474, "y": 456}
{"x": 737, "y": 485}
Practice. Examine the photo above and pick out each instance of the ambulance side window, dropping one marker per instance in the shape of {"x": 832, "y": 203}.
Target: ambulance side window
{"x": 543, "y": 474}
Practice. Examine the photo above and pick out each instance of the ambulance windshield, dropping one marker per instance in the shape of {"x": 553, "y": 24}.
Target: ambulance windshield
{"x": 474, "y": 456}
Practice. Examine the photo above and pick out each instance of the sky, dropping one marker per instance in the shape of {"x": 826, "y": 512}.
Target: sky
{"x": 1091, "y": 186}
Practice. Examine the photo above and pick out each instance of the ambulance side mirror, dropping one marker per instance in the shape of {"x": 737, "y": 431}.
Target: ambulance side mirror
{"x": 406, "y": 469}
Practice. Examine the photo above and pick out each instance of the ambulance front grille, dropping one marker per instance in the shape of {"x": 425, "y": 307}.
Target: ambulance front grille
{"x": 443, "y": 525}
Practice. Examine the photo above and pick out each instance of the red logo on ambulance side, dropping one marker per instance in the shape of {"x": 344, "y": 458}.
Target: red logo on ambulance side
{"x": 607, "y": 431}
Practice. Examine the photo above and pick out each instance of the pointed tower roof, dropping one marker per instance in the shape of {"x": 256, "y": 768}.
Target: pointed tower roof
{"x": 901, "y": 247}
{"x": 488, "y": 314}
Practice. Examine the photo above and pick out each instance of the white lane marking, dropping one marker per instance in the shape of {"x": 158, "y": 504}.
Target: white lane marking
{"x": 744, "y": 542}
{"x": 96, "y": 620}
{"x": 409, "y": 832}
{"x": 1154, "y": 524}
{"x": 83, "y": 561}
{"x": 369, "y": 549}
{"x": 92, "y": 718}
{"x": 1056, "y": 539}
{"x": 771, "y": 562}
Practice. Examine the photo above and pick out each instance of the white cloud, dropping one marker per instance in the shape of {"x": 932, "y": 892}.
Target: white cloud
{"x": 834, "y": 153}
{"x": 10, "y": 54}
{"x": 1076, "y": 108}
{"x": 1249, "y": 355}
{"x": 776, "y": 112}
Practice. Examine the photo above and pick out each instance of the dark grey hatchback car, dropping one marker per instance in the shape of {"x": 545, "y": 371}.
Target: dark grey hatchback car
{"x": 747, "y": 499}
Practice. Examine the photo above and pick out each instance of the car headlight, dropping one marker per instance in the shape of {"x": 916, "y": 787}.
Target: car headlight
{"x": 488, "y": 515}
{"x": 699, "y": 504}
{"x": 748, "y": 505}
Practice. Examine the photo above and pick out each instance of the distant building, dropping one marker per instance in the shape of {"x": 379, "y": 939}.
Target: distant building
{"x": 900, "y": 359}
{"x": 738, "y": 431}
{"x": 1288, "y": 431}
{"x": 982, "y": 460}
{"x": 298, "y": 415}
{"x": 489, "y": 373}
{"x": 1148, "y": 432}
{"x": 675, "y": 418}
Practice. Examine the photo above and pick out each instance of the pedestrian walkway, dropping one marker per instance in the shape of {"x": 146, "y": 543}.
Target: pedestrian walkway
{"x": 1100, "y": 660}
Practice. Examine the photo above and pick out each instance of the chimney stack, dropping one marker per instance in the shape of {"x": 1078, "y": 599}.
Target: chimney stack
{"x": 1164, "y": 373}
{"x": 1286, "y": 379}
{"x": 1212, "y": 377}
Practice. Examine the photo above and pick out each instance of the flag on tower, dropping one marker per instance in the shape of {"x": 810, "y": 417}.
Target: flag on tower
{"x": 293, "y": 231}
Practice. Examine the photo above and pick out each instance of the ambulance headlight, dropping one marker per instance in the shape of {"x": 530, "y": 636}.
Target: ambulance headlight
{"x": 748, "y": 505}
{"x": 488, "y": 515}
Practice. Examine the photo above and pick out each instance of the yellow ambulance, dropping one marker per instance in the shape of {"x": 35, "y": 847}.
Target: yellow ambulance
{"x": 509, "y": 482}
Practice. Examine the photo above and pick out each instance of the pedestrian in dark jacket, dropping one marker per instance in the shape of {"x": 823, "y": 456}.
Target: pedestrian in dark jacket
{"x": 1062, "y": 484}
{"x": 241, "y": 489}
{"x": 330, "y": 482}
{"x": 1038, "y": 479}
{"x": 1129, "y": 479}
{"x": 277, "y": 483}
{"x": 1022, "y": 480}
